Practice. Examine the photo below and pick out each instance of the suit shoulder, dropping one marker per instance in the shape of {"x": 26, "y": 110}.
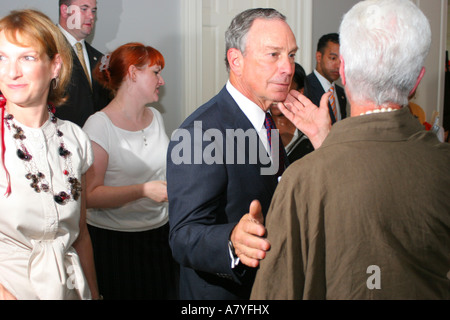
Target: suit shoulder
{"x": 311, "y": 76}
{"x": 211, "y": 112}
{"x": 312, "y": 82}
{"x": 340, "y": 89}
{"x": 93, "y": 51}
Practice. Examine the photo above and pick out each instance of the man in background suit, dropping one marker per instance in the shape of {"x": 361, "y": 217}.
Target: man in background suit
{"x": 216, "y": 243}
{"x": 85, "y": 94}
{"x": 323, "y": 78}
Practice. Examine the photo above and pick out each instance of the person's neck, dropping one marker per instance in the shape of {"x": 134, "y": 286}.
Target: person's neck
{"x": 264, "y": 105}
{"x": 130, "y": 106}
{"x": 368, "y": 107}
{"x": 30, "y": 116}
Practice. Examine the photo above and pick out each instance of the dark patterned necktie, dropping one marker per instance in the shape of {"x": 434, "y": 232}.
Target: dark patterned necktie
{"x": 283, "y": 160}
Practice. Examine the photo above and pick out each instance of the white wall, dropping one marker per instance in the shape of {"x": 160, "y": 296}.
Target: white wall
{"x": 448, "y": 27}
{"x": 327, "y": 18}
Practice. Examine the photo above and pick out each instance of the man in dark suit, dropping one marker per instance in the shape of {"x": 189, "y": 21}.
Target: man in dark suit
{"x": 218, "y": 163}
{"x": 323, "y": 78}
{"x": 85, "y": 94}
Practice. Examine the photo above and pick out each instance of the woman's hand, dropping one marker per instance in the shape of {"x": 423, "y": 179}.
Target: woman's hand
{"x": 156, "y": 190}
{"x": 5, "y": 295}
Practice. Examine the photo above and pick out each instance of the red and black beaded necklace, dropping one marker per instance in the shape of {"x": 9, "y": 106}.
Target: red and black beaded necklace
{"x": 36, "y": 177}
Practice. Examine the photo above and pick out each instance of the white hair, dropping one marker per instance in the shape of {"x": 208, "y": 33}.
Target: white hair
{"x": 384, "y": 44}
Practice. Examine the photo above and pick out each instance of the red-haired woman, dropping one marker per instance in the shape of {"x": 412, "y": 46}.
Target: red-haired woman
{"x": 126, "y": 188}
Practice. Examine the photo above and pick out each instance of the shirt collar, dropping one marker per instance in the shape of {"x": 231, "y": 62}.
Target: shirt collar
{"x": 323, "y": 81}
{"x": 389, "y": 126}
{"x": 251, "y": 110}
{"x": 70, "y": 37}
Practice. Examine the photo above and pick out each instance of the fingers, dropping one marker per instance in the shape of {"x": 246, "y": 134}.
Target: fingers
{"x": 285, "y": 109}
{"x": 295, "y": 94}
{"x": 304, "y": 101}
{"x": 248, "y": 237}
{"x": 290, "y": 108}
{"x": 252, "y": 257}
{"x": 250, "y": 249}
{"x": 255, "y": 212}
{"x": 324, "y": 100}
{"x": 5, "y": 294}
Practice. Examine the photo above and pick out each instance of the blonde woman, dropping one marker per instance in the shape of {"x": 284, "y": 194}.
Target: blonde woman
{"x": 45, "y": 248}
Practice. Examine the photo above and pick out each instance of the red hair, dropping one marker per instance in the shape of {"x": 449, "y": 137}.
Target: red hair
{"x": 113, "y": 68}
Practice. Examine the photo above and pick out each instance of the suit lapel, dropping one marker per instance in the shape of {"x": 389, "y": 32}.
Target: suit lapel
{"x": 317, "y": 92}
{"x": 93, "y": 57}
{"x": 342, "y": 101}
{"x": 78, "y": 71}
{"x": 234, "y": 119}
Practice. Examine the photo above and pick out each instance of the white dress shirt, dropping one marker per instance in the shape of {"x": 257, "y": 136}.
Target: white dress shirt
{"x": 253, "y": 112}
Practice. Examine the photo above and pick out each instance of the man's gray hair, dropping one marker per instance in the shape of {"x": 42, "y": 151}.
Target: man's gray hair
{"x": 236, "y": 35}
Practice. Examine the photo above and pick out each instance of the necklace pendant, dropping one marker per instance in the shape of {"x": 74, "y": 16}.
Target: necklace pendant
{"x": 23, "y": 155}
{"x": 61, "y": 198}
{"x": 63, "y": 152}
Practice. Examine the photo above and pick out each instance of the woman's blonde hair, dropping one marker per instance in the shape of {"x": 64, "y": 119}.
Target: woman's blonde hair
{"x": 35, "y": 29}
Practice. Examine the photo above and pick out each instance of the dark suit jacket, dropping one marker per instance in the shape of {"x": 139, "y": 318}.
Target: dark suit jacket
{"x": 82, "y": 101}
{"x": 314, "y": 92}
{"x": 300, "y": 148}
{"x": 207, "y": 201}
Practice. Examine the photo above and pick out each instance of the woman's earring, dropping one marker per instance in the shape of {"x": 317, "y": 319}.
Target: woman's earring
{"x": 55, "y": 83}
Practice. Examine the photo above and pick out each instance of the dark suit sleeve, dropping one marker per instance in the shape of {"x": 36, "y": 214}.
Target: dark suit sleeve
{"x": 342, "y": 101}
{"x": 313, "y": 89}
{"x": 197, "y": 199}
{"x": 102, "y": 96}
{"x": 83, "y": 102}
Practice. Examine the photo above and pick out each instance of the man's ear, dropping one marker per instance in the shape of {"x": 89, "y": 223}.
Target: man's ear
{"x": 419, "y": 79}
{"x": 342, "y": 70}
{"x": 64, "y": 11}
{"x": 235, "y": 60}
{"x": 318, "y": 56}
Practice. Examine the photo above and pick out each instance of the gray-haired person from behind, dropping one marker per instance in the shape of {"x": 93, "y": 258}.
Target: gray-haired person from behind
{"x": 378, "y": 225}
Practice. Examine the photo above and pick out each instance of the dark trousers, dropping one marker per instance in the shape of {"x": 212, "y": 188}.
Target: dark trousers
{"x": 135, "y": 265}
